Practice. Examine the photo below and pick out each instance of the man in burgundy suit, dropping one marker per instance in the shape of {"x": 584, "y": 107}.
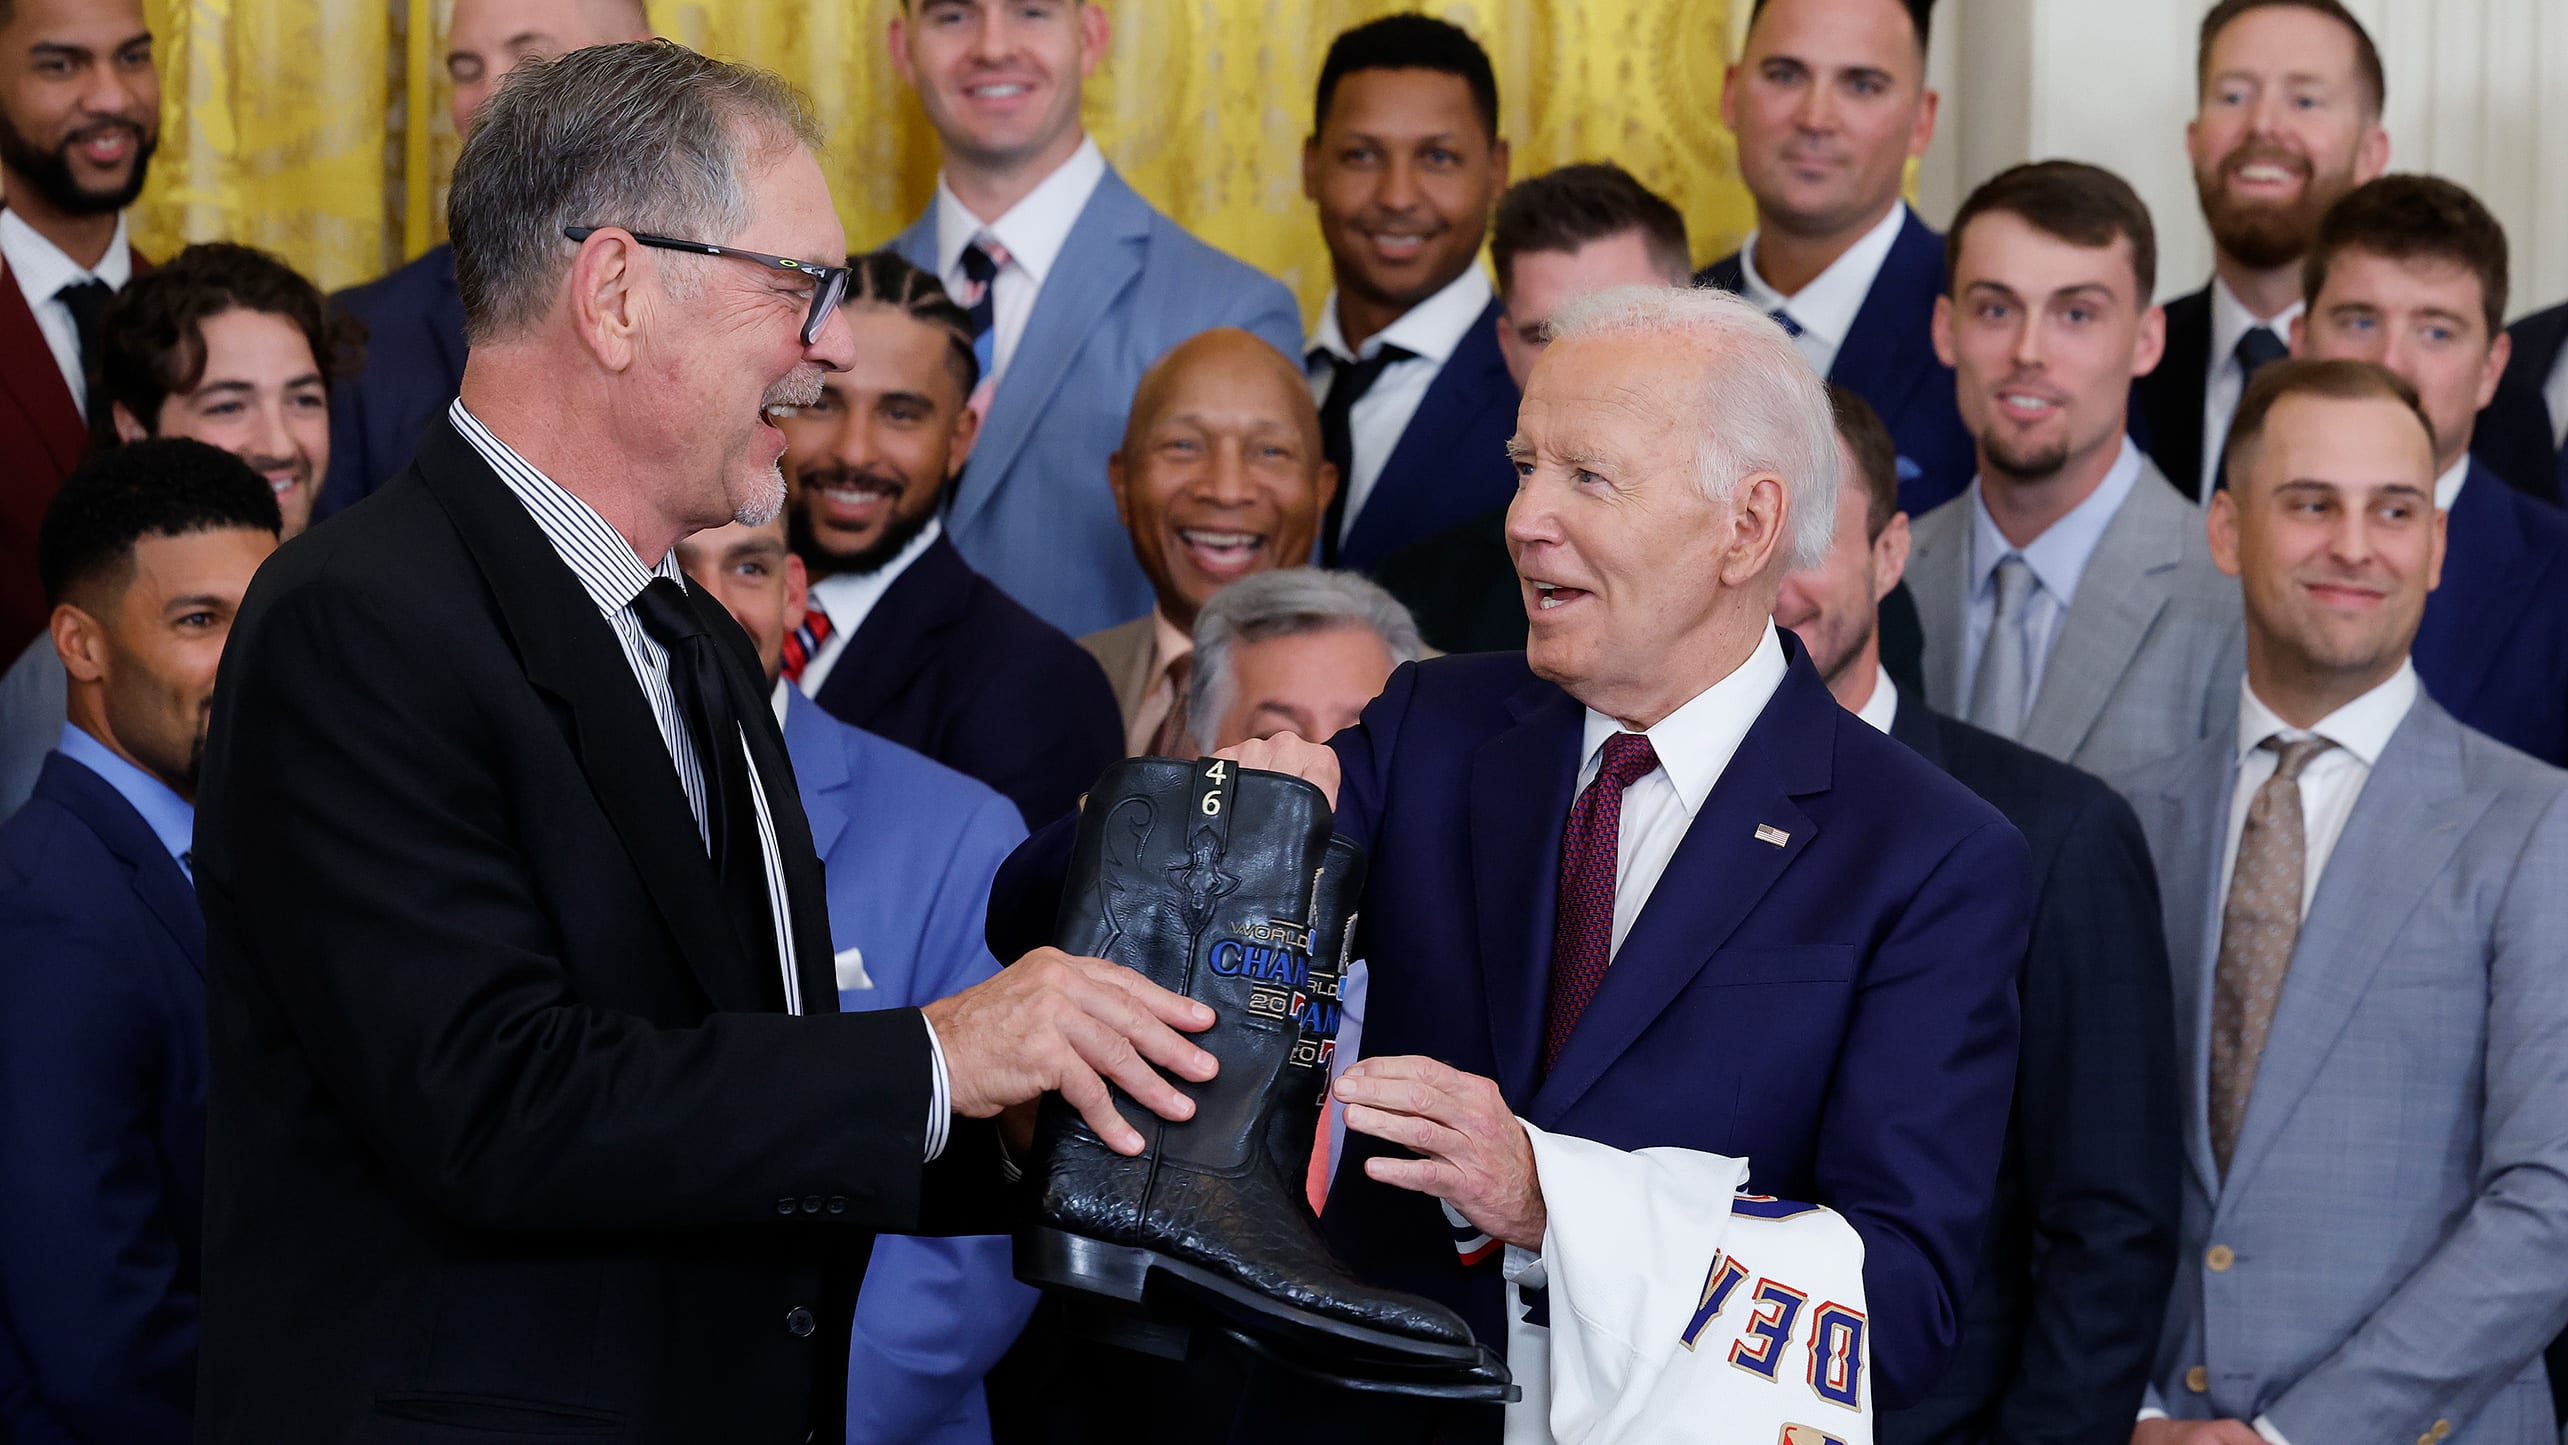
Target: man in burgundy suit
{"x": 79, "y": 116}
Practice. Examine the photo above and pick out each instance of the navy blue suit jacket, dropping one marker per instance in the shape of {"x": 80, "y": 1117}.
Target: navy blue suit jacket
{"x": 414, "y": 361}
{"x": 948, "y": 665}
{"x": 102, "y": 1114}
{"x": 1451, "y": 464}
{"x": 2062, "y": 1327}
{"x": 2493, "y": 648}
{"x": 1889, "y": 359}
{"x": 2516, "y": 436}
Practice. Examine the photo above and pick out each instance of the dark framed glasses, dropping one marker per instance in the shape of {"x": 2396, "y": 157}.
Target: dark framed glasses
{"x": 829, "y": 283}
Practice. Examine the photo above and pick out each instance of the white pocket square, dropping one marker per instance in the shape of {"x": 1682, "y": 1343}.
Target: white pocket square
{"x": 851, "y": 969}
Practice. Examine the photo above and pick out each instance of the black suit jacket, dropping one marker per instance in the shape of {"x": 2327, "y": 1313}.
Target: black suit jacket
{"x": 508, "y": 1136}
{"x": 948, "y": 665}
{"x": 2516, "y": 436}
{"x": 2063, "y": 1321}
{"x": 2166, "y": 405}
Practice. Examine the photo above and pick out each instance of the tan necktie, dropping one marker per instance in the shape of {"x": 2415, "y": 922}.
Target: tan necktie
{"x": 2259, "y": 926}
{"x": 1175, "y": 737}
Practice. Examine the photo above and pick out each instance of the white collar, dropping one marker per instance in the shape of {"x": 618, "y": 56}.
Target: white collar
{"x": 1431, "y": 329}
{"x": 1879, "y": 709}
{"x": 1826, "y": 307}
{"x": 1034, "y": 229}
{"x": 2447, "y": 488}
{"x": 44, "y": 270}
{"x": 2230, "y": 319}
{"x": 1695, "y": 742}
{"x": 2361, "y": 727}
{"x": 2059, "y": 556}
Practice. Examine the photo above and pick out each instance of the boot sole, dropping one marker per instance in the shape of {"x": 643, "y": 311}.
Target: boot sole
{"x": 1047, "y": 1256}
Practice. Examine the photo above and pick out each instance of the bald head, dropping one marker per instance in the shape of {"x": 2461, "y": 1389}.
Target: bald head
{"x": 490, "y": 38}
{"x": 1221, "y": 473}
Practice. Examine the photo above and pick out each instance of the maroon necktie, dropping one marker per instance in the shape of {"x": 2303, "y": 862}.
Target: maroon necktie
{"x": 1583, "y": 923}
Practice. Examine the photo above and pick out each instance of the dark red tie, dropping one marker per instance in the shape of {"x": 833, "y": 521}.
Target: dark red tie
{"x": 1583, "y": 925}
{"x": 803, "y": 641}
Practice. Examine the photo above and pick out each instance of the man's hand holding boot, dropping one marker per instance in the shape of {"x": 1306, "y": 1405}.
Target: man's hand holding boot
{"x": 1058, "y": 1023}
{"x": 1292, "y": 755}
{"x": 1476, "y": 1156}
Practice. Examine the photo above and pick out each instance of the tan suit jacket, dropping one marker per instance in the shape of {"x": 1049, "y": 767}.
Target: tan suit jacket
{"x": 1125, "y": 651}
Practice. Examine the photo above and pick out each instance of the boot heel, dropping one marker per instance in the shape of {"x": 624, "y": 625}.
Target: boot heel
{"x": 1050, "y": 1257}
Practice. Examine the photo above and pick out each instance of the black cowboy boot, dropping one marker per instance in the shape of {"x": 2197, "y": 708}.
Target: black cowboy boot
{"x": 1226, "y": 886}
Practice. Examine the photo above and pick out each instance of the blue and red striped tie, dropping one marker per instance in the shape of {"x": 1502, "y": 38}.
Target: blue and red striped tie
{"x": 803, "y": 641}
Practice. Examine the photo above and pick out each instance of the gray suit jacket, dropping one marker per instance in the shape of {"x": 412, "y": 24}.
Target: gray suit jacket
{"x": 2389, "y": 1252}
{"x": 2148, "y": 657}
{"x": 1123, "y": 650}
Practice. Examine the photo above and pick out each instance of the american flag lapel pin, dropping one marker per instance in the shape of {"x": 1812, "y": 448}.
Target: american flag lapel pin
{"x": 1769, "y": 833}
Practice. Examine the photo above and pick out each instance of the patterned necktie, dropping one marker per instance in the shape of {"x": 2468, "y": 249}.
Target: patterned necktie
{"x": 804, "y": 642}
{"x": 983, "y": 260}
{"x": 1583, "y": 921}
{"x": 1348, "y": 382}
{"x": 86, "y": 300}
{"x": 2002, "y": 690}
{"x": 1174, "y": 737}
{"x": 2259, "y": 926}
{"x": 2258, "y": 348}
{"x": 1784, "y": 319}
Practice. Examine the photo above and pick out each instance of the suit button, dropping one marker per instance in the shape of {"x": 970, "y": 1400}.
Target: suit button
{"x": 785, "y": 1205}
{"x": 2198, "y": 1380}
{"x": 2442, "y": 1428}
{"x": 799, "y": 1323}
{"x": 2219, "y": 1257}
{"x": 2425, "y": 1439}
{"x": 838, "y": 1204}
{"x": 811, "y": 1204}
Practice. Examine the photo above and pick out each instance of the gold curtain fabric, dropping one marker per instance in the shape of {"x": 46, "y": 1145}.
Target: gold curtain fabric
{"x": 319, "y": 128}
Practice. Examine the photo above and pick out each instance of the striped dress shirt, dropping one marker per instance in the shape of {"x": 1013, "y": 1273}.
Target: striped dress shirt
{"x": 613, "y": 576}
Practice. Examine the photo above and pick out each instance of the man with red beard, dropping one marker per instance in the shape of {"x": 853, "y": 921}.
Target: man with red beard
{"x": 2289, "y": 119}
{"x": 901, "y": 636}
{"x": 79, "y": 115}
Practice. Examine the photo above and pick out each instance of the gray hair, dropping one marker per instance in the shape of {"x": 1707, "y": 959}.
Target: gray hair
{"x": 647, "y": 135}
{"x": 1288, "y": 602}
{"x": 1761, "y": 408}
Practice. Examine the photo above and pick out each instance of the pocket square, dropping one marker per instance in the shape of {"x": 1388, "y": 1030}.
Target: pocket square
{"x": 851, "y": 969}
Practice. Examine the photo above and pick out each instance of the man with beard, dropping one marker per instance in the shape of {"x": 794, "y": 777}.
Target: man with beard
{"x": 1405, "y": 166}
{"x": 902, "y": 638}
{"x": 2068, "y": 595}
{"x": 415, "y": 316}
{"x": 79, "y": 115}
{"x": 2289, "y": 119}
{"x": 1219, "y": 477}
{"x": 146, "y": 553}
{"x": 225, "y": 345}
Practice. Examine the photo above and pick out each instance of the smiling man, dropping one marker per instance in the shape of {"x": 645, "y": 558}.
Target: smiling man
{"x": 2067, "y": 599}
{"x": 1220, "y": 476}
{"x": 1405, "y": 166}
{"x": 1025, "y": 198}
{"x": 2288, "y": 119}
{"x": 79, "y": 117}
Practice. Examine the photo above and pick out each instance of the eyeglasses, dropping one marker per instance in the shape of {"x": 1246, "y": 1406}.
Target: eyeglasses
{"x": 829, "y": 283}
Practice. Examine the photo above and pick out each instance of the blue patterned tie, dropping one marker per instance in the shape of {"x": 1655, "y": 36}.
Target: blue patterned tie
{"x": 1784, "y": 319}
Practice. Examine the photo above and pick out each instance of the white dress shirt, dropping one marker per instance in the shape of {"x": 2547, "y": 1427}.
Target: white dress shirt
{"x": 2332, "y": 780}
{"x": 608, "y": 571}
{"x": 2058, "y": 558}
{"x": 2227, "y": 382}
{"x": 1825, "y": 309}
{"x": 2447, "y": 488}
{"x": 1033, "y": 231}
{"x": 847, "y": 599}
{"x": 2555, "y": 392}
{"x": 42, "y": 270}
{"x": 1431, "y": 329}
{"x": 1694, "y": 744}
{"x": 1879, "y": 709}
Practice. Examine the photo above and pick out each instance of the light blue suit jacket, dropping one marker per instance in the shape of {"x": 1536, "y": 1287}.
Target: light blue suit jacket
{"x": 909, "y": 847}
{"x": 2384, "y": 1259}
{"x": 1031, "y": 511}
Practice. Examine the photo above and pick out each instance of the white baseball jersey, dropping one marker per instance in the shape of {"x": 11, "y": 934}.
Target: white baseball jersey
{"x": 1669, "y": 1307}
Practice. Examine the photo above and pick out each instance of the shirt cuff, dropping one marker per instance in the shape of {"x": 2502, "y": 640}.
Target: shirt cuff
{"x": 1524, "y": 1269}
{"x": 2265, "y": 1426}
{"x": 2149, "y": 1412}
{"x": 940, "y": 1094}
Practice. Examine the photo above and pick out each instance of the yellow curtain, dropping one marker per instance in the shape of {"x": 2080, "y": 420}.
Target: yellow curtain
{"x": 320, "y": 130}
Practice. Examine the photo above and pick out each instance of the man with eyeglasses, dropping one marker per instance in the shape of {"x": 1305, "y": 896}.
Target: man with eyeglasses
{"x": 533, "y": 1110}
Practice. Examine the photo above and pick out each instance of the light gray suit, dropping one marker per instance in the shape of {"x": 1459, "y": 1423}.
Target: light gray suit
{"x": 2389, "y": 1252}
{"x": 2147, "y": 658}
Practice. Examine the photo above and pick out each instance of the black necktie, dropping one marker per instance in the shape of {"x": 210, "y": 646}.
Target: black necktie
{"x": 703, "y": 689}
{"x": 86, "y": 299}
{"x": 2256, "y": 350}
{"x": 1350, "y": 380}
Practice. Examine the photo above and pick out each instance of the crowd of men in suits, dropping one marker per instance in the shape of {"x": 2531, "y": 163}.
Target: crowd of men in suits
{"x": 2189, "y": 1046}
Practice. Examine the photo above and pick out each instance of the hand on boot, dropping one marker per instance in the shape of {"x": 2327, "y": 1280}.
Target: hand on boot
{"x": 1292, "y": 755}
{"x": 1054, "y": 1022}
{"x": 1477, "y": 1156}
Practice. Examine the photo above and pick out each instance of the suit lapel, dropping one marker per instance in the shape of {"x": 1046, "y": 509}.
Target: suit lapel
{"x": 1521, "y": 784}
{"x": 2189, "y": 818}
{"x": 158, "y": 880}
{"x": 820, "y": 769}
{"x": 1787, "y": 753}
{"x": 2171, "y": 397}
{"x": 1100, "y": 261}
{"x": 896, "y": 641}
{"x": 1939, "y": 581}
{"x": 2400, "y": 837}
{"x": 572, "y": 656}
{"x": 1887, "y": 355}
{"x": 33, "y": 383}
{"x": 1472, "y": 379}
{"x": 2489, "y": 578}
{"x": 2119, "y": 598}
